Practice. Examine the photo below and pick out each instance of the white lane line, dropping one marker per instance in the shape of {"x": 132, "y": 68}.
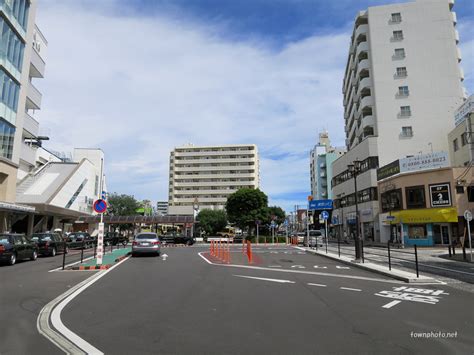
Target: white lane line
{"x": 391, "y": 304}
{"x": 319, "y": 285}
{"x": 274, "y": 265}
{"x": 61, "y": 336}
{"x": 265, "y": 279}
{"x": 67, "y": 265}
{"x": 350, "y": 289}
{"x": 303, "y": 272}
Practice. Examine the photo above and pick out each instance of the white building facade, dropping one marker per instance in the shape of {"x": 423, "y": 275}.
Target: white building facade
{"x": 401, "y": 82}
{"x": 321, "y": 158}
{"x": 461, "y": 138}
{"x": 207, "y": 175}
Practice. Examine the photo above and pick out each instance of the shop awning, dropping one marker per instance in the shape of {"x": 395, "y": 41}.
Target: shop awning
{"x": 427, "y": 215}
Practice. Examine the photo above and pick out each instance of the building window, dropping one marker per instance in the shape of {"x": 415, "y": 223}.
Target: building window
{"x": 470, "y": 193}
{"x": 464, "y": 139}
{"x": 9, "y": 91}
{"x": 399, "y": 53}
{"x": 415, "y": 197}
{"x": 455, "y": 145}
{"x": 396, "y": 17}
{"x": 403, "y": 91}
{"x": 11, "y": 47}
{"x": 401, "y": 72}
{"x": 405, "y": 111}
{"x": 407, "y": 131}
{"x": 7, "y": 134}
{"x": 391, "y": 200}
{"x": 18, "y": 9}
{"x": 397, "y": 35}
{"x": 417, "y": 231}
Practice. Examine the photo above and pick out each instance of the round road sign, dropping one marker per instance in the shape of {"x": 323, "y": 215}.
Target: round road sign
{"x": 468, "y": 215}
{"x": 325, "y": 215}
{"x": 100, "y": 206}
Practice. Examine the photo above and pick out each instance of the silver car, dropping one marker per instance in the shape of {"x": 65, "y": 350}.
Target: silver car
{"x": 146, "y": 243}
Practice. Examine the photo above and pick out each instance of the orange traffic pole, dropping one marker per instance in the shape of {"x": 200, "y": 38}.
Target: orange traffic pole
{"x": 211, "y": 248}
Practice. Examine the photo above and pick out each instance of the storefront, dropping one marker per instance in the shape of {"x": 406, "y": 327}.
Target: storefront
{"x": 424, "y": 227}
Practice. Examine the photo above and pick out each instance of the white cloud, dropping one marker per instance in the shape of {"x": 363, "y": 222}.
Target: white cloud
{"x": 137, "y": 87}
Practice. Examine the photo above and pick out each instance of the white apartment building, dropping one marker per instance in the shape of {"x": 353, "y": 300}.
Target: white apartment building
{"x": 207, "y": 175}
{"x": 401, "y": 83}
{"x": 162, "y": 208}
{"x": 22, "y": 53}
{"x": 321, "y": 158}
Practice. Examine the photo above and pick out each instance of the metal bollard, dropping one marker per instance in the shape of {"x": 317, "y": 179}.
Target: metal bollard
{"x": 389, "y": 258}
{"x": 82, "y": 249}
{"x": 95, "y": 250}
{"x": 339, "y": 246}
{"x": 64, "y": 254}
{"x": 449, "y": 250}
{"x": 362, "y": 250}
{"x": 416, "y": 261}
{"x": 454, "y": 250}
{"x": 464, "y": 256}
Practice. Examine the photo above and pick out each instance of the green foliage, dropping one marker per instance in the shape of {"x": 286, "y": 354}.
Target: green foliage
{"x": 122, "y": 205}
{"x": 212, "y": 221}
{"x": 278, "y": 213}
{"x": 246, "y": 206}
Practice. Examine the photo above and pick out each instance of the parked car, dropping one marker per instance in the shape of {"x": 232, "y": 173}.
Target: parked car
{"x": 79, "y": 240}
{"x": 315, "y": 237}
{"x": 49, "y": 243}
{"x": 146, "y": 243}
{"x": 171, "y": 238}
{"x": 115, "y": 238}
{"x": 15, "y": 247}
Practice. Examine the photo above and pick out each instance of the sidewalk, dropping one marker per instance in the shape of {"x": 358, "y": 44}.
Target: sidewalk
{"x": 108, "y": 260}
{"x": 383, "y": 270}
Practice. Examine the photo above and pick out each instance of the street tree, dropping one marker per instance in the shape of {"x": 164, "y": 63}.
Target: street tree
{"x": 122, "y": 205}
{"x": 246, "y": 206}
{"x": 212, "y": 221}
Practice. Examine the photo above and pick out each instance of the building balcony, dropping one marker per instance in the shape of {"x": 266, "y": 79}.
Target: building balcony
{"x": 361, "y": 29}
{"x": 202, "y": 175}
{"x": 190, "y": 201}
{"x": 366, "y": 101}
{"x": 33, "y": 98}
{"x": 362, "y": 47}
{"x": 214, "y": 183}
{"x": 30, "y": 125}
{"x": 37, "y": 65}
{"x": 368, "y": 121}
{"x": 28, "y": 154}
{"x": 456, "y": 36}
{"x": 458, "y": 51}
{"x": 455, "y": 18}
{"x": 204, "y": 192}
{"x": 225, "y": 152}
{"x": 215, "y": 161}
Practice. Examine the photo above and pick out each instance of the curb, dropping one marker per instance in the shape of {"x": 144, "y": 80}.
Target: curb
{"x": 377, "y": 271}
{"x": 100, "y": 267}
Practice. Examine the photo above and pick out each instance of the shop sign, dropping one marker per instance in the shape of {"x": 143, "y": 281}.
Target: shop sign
{"x": 461, "y": 113}
{"x": 388, "y": 170}
{"x": 424, "y": 162}
{"x": 440, "y": 195}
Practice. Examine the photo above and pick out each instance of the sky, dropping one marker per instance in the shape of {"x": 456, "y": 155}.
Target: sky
{"x": 138, "y": 78}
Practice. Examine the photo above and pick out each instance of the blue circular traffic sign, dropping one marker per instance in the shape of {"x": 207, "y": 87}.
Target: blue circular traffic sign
{"x": 325, "y": 215}
{"x": 100, "y": 206}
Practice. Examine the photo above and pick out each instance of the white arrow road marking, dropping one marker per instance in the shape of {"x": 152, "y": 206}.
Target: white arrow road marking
{"x": 391, "y": 304}
{"x": 310, "y": 284}
{"x": 265, "y": 279}
{"x": 298, "y": 267}
{"x": 342, "y": 267}
{"x": 164, "y": 256}
{"x": 350, "y": 289}
{"x": 320, "y": 267}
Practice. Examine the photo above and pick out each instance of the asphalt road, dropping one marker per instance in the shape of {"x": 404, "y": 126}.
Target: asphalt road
{"x": 24, "y": 290}
{"x": 286, "y": 302}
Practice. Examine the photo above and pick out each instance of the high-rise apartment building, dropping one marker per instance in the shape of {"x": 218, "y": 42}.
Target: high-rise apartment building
{"x": 321, "y": 158}
{"x": 22, "y": 52}
{"x": 207, "y": 175}
{"x": 401, "y": 82}
{"x": 162, "y": 208}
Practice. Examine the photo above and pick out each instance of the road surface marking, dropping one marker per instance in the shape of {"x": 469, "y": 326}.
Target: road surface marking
{"x": 265, "y": 279}
{"x": 164, "y": 256}
{"x": 301, "y": 271}
{"x": 59, "y": 334}
{"x": 319, "y": 285}
{"x": 298, "y": 267}
{"x": 320, "y": 267}
{"x": 274, "y": 265}
{"x": 343, "y": 267}
{"x": 350, "y": 289}
{"x": 413, "y": 294}
{"x": 391, "y": 304}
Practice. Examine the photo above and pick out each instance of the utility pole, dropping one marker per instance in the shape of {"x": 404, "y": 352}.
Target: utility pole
{"x": 354, "y": 169}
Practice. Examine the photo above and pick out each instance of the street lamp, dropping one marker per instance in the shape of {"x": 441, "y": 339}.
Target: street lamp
{"x": 354, "y": 170}
{"x": 343, "y": 203}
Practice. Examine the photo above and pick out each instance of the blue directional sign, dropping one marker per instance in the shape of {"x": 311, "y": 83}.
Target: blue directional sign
{"x": 320, "y": 205}
{"x": 325, "y": 215}
{"x": 285, "y": 223}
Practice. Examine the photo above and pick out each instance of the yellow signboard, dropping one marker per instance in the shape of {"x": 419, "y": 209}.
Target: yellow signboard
{"x": 427, "y": 215}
